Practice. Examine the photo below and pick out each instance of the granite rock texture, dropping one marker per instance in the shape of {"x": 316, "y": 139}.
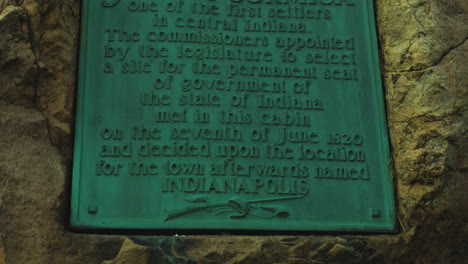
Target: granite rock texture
{"x": 424, "y": 55}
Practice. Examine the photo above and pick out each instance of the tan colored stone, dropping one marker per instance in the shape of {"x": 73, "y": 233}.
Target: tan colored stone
{"x": 54, "y": 38}
{"x": 33, "y": 178}
{"x": 427, "y": 109}
{"x": 18, "y": 65}
{"x": 428, "y": 140}
{"x": 2, "y": 250}
{"x": 341, "y": 254}
{"x": 302, "y": 248}
{"x": 131, "y": 253}
{"x": 416, "y": 34}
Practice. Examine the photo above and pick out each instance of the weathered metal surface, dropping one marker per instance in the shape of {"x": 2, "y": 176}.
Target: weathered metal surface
{"x": 251, "y": 114}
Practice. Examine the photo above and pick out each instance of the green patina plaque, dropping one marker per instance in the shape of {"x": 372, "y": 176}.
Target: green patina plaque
{"x": 233, "y": 114}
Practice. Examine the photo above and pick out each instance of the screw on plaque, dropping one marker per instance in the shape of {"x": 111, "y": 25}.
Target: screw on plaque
{"x": 92, "y": 209}
{"x": 375, "y": 213}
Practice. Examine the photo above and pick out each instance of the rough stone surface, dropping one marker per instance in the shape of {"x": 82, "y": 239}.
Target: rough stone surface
{"x": 2, "y": 251}
{"x": 18, "y": 63}
{"x": 131, "y": 253}
{"x": 424, "y": 55}
{"x": 38, "y": 48}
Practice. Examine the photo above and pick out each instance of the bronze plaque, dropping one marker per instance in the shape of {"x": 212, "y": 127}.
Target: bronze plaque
{"x": 240, "y": 114}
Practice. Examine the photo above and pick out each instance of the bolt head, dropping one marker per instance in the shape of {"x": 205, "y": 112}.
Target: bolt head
{"x": 375, "y": 213}
{"x": 92, "y": 209}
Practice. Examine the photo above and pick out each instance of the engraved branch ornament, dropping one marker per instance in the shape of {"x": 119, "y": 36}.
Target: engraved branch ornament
{"x": 239, "y": 207}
